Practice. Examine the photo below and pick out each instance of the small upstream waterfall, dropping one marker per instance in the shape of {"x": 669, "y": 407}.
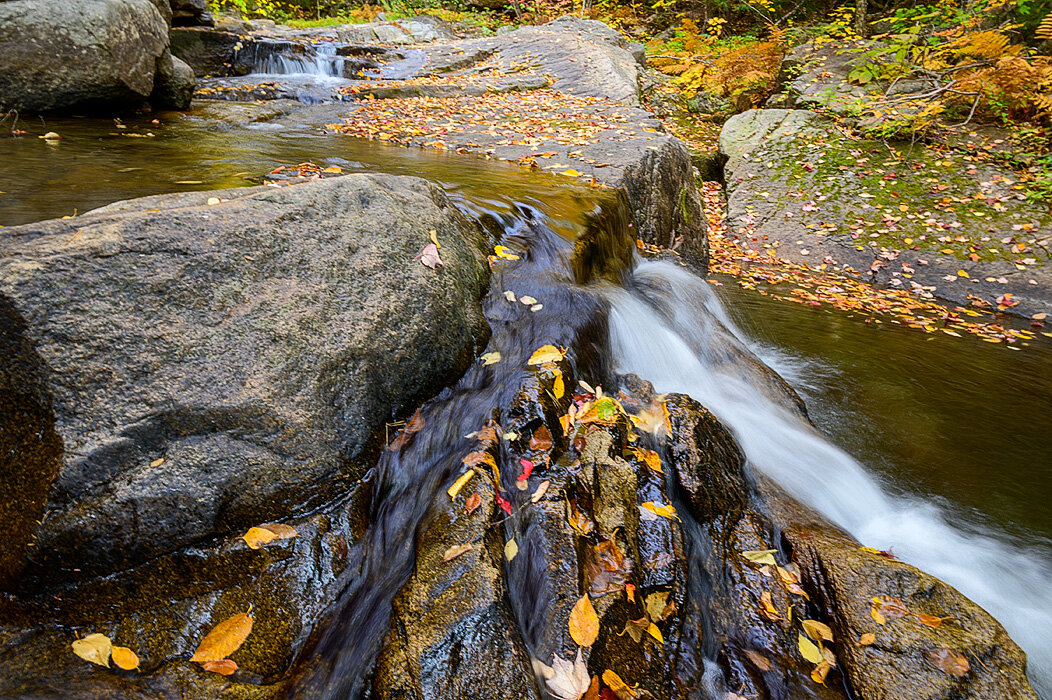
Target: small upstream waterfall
{"x": 318, "y": 60}
{"x": 669, "y": 327}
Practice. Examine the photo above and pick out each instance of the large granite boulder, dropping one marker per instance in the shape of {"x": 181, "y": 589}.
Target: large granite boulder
{"x": 79, "y": 54}
{"x": 191, "y": 13}
{"x": 212, "y": 366}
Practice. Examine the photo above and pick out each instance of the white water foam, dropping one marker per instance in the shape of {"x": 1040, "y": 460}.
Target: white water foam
{"x": 672, "y": 330}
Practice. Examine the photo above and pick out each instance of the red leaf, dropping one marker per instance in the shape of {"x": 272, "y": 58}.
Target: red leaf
{"x": 504, "y": 504}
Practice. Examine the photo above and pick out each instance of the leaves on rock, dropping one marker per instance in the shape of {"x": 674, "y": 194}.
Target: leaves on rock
{"x": 767, "y": 608}
{"x": 606, "y": 568}
{"x": 867, "y": 639}
{"x": 546, "y": 353}
{"x": 657, "y": 606}
{"x": 566, "y": 680}
{"x": 887, "y": 607}
{"x": 930, "y": 620}
{"x": 809, "y": 650}
{"x": 490, "y": 358}
{"x": 759, "y": 660}
{"x": 761, "y": 556}
{"x": 818, "y": 631}
{"x": 256, "y": 537}
{"x": 95, "y": 648}
{"x": 584, "y": 623}
{"x": 225, "y": 638}
{"x": 662, "y": 509}
{"x": 125, "y": 658}
{"x": 224, "y": 667}
{"x": 541, "y": 439}
{"x": 473, "y": 502}
{"x": 456, "y": 550}
{"x": 429, "y": 256}
{"x": 620, "y": 688}
{"x": 948, "y": 661}
{"x": 542, "y": 488}
{"x": 460, "y": 483}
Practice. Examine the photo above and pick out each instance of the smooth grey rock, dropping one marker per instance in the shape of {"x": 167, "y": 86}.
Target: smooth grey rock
{"x": 227, "y": 23}
{"x": 81, "y": 54}
{"x": 207, "y": 51}
{"x": 173, "y": 85}
{"x": 191, "y": 13}
{"x": 257, "y": 345}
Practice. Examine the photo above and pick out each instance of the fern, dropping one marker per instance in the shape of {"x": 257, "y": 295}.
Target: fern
{"x": 1044, "y": 29}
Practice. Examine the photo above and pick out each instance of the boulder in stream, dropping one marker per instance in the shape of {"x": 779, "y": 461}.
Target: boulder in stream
{"x": 81, "y": 54}
{"x": 214, "y": 360}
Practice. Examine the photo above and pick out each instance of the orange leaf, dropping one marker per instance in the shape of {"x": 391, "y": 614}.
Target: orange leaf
{"x": 948, "y": 661}
{"x": 584, "y": 623}
{"x": 224, "y": 639}
{"x": 124, "y": 658}
{"x": 224, "y": 667}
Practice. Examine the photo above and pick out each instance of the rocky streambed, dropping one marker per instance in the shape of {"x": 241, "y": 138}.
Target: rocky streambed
{"x": 434, "y": 396}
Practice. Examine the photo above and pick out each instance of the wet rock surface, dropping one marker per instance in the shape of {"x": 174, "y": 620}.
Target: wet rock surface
{"x": 797, "y": 182}
{"x": 233, "y": 361}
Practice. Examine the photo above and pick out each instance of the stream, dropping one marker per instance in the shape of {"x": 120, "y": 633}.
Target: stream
{"x": 933, "y": 447}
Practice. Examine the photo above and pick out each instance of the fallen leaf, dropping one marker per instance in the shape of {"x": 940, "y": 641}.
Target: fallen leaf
{"x": 656, "y": 604}
{"x": 819, "y": 672}
{"x": 212, "y": 201}
{"x": 566, "y": 680}
{"x": 546, "y": 353}
{"x": 930, "y": 620}
{"x": 336, "y": 169}
{"x": 558, "y": 386}
{"x": 224, "y": 667}
{"x": 256, "y": 537}
{"x": 224, "y": 639}
{"x": 620, "y": 688}
{"x": 505, "y": 253}
{"x": 510, "y": 549}
{"x": 635, "y": 629}
{"x": 281, "y": 531}
{"x": 761, "y": 556}
{"x": 808, "y": 649}
{"x": 527, "y": 300}
{"x": 157, "y": 462}
{"x": 94, "y": 648}
{"x": 655, "y": 633}
{"x": 510, "y": 296}
{"x": 767, "y": 607}
{"x": 570, "y": 173}
{"x": 473, "y": 502}
{"x": 867, "y": 639}
{"x": 818, "y": 631}
{"x": 890, "y": 608}
{"x": 505, "y": 504}
{"x": 429, "y": 256}
{"x": 125, "y": 658}
{"x": 460, "y": 483}
{"x": 456, "y": 550}
{"x": 541, "y": 439}
{"x": 758, "y": 660}
{"x": 665, "y": 511}
{"x": 653, "y": 460}
{"x": 542, "y": 488}
{"x": 584, "y": 623}
{"x": 489, "y": 358}
{"x": 948, "y": 661}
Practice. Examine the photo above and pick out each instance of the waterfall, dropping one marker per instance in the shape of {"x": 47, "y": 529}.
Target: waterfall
{"x": 669, "y": 327}
{"x": 284, "y": 58}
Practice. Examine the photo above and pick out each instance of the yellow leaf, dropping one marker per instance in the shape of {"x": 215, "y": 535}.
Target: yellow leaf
{"x": 256, "y": 537}
{"x": 213, "y": 201}
{"x": 767, "y": 607}
{"x": 808, "y": 649}
{"x": 490, "y": 358}
{"x": 505, "y": 253}
{"x": 867, "y": 639}
{"x": 224, "y": 639}
{"x": 157, "y": 462}
{"x": 570, "y": 173}
{"x": 224, "y": 667}
{"x": 817, "y": 631}
{"x": 819, "y": 672}
{"x": 125, "y": 658}
{"x": 539, "y": 493}
{"x": 620, "y": 688}
{"x": 962, "y": 273}
{"x": 761, "y": 556}
{"x": 665, "y": 511}
{"x": 546, "y": 353}
{"x": 558, "y": 387}
{"x": 510, "y": 550}
{"x": 653, "y": 460}
{"x": 456, "y": 550}
{"x": 655, "y": 605}
{"x": 281, "y": 531}
{"x": 655, "y": 633}
{"x": 332, "y": 169}
{"x": 460, "y": 483}
{"x": 94, "y": 648}
{"x": 877, "y": 616}
{"x": 584, "y": 623}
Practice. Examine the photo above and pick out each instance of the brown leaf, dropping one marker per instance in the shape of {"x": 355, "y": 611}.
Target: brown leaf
{"x": 542, "y": 439}
{"x": 819, "y": 672}
{"x": 224, "y": 667}
{"x": 281, "y": 531}
{"x": 867, "y": 639}
{"x": 818, "y": 631}
{"x": 414, "y": 425}
{"x": 584, "y": 623}
{"x": 767, "y": 608}
{"x": 948, "y": 661}
{"x": 125, "y": 658}
{"x": 593, "y": 690}
{"x": 758, "y": 660}
{"x": 657, "y": 606}
{"x": 635, "y": 629}
{"x": 473, "y": 502}
{"x": 224, "y": 639}
{"x": 930, "y": 620}
{"x": 891, "y": 608}
{"x": 456, "y": 550}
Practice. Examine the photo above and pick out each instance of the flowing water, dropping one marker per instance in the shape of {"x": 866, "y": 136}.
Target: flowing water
{"x": 935, "y": 448}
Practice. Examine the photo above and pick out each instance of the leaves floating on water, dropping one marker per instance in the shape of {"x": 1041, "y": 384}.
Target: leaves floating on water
{"x": 546, "y": 353}
{"x": 511, "y": 549}
{"x": 948, "y": 661}
{"x": 489, "y": 358}
{"x": 505, "y": 253}
{"x": 584, "y": 623}
{"x": 95, "y": 648}
{"x": 456, "y": 550}
{"x": 413, "y": 426}
{"x": 224, "y": 639}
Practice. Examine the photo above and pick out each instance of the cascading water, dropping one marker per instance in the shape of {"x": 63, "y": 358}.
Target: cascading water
{"x": 316, "y": 60}
{"x": 669, "y": 327}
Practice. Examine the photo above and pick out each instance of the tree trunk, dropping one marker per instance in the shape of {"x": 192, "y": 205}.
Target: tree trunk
{"x": 859, "y": 24}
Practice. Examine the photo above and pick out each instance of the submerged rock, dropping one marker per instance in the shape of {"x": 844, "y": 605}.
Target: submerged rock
{"x": 214, "y": 365}
{"x": 80, "y": 54}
